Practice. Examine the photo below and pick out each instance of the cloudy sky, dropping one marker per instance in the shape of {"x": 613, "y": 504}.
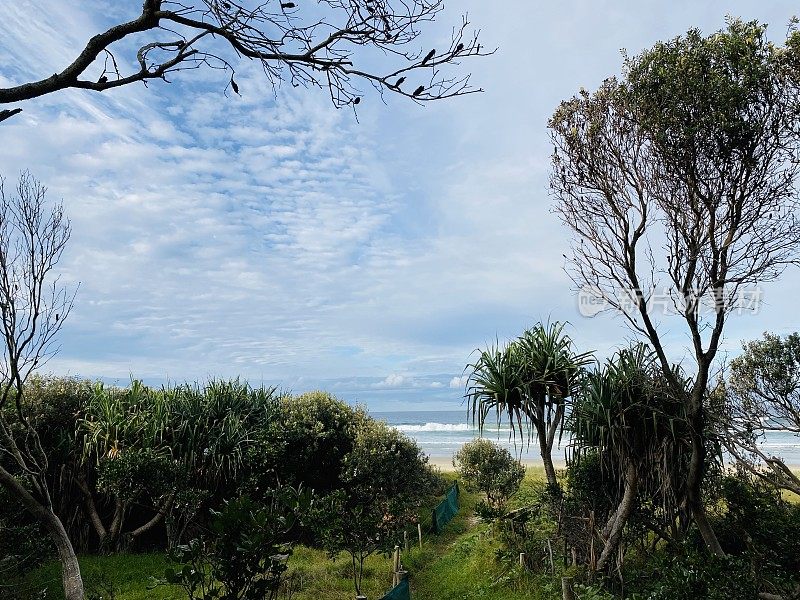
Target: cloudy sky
{"x": 273, "y": 237}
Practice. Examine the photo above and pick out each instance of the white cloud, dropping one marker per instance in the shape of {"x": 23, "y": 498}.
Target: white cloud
{"x": 393, "y": 381}
{"x": 220, "y": 235}
{"x": 458, "y": 383}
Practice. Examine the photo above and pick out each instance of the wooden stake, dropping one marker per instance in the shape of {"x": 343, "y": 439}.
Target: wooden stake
{"x": 405, "y": 541}
{"x": 566, "y": 589}
{"x": 419, "y": 531}
{"x": 395, "y": 565}
{"x": 550, "y": 549}
{"x": 592, "y": 561}
{"x": 522, "y": 559}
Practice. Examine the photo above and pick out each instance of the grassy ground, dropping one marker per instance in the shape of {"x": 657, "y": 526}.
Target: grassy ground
{"x": 459, "y": 564}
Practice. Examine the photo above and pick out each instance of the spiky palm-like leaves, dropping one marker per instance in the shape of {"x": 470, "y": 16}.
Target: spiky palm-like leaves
{"x": 186, "y": 436}
{"x": 628, "y": 413}
{"x": 528, "y": 382}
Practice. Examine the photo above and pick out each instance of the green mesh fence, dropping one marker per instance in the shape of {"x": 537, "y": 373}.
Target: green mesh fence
{"x": 446, "y": 509}
{"x": 399, "y": 592}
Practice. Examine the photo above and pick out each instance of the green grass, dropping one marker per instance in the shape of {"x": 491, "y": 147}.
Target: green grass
{"x": 129, "y": 575}
{"x": 459, "y": 564}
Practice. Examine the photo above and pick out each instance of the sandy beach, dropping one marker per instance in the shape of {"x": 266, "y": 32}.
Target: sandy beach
{"x": 446, "y": 463}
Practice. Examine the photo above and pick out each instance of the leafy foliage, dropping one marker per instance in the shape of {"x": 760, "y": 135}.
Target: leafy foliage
{"x": 762, "y": 394}
{"x": 761, "y": 528}
{"x": 306, "y": 443}
{"x": 704, "y": 577}
{"x": 141, "y": 445}
{"x": 489, "y": 468}
{"x": 245, "y": 556}
{"x": 384, "y": 481}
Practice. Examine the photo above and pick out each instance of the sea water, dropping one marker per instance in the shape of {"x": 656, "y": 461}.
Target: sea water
{"x": 441, "y": 433}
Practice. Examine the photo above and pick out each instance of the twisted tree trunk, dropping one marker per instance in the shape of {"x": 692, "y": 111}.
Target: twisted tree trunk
{"x": 694, "y": 479}
{"x": 612, "y": 532}
{"x": 70, "y": 569}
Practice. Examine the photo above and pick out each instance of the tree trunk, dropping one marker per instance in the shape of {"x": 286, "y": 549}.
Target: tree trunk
{"x": 547, "y": 437}
{"x": 694, "y": 479}
{"x": 616, "y": 524}
{"x": 545, "y": 449}
{"x": 70, "y": 569}
{"x": 91, "y": 510}
{"x": 549, "y": 469}
{"x": 158, "y": 518}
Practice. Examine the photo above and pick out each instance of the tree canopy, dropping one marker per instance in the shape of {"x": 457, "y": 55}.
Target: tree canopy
{"x": 678, "y": 182}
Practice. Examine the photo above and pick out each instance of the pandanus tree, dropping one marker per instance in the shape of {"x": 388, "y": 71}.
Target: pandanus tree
{"x": 528, "y": 382}
{"x": 628, "y": 415}
{"x": 150, "y": 447}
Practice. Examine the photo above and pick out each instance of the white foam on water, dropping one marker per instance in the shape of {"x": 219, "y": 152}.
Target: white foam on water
{"x": 436, "y": 427}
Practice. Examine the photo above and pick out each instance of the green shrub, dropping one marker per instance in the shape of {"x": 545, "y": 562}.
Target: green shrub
{"x": 531, "y": 530}
{"x": 245, "y": 555}
{"x": 384, "y": 481}
{"x": 486, "y": 467}
{"x": 761, "y": 527}
{"x": 305, "y": 444}
{"x": 588, "y": 488}
{"x": 591, "y": 592}
{"x": 700, "y": 575}
{"x": 23, "y": 543}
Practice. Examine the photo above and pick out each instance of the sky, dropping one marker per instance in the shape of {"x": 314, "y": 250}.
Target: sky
{"x": 272, "y": 237}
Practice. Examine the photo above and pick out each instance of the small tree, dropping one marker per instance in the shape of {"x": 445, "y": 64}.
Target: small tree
{"x": 486, "y": 467}
{"x": 307, "y": 442}
{"x": 327, "y": 45}
{"x": 33, "y": 306}
{"x": 246, "y": 554}
{"x": 683, "y": 173}
{"x": 528, "y": 382}
{"x": 762, "y": 394}
{"x": 628, "y": 416}
{"x": 385, "y": 479}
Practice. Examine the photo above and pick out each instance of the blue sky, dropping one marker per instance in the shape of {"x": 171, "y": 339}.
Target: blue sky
{"x": 273, "y": 237}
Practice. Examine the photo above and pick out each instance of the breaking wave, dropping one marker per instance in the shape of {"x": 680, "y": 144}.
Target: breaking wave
{"x": 436, "y": 427}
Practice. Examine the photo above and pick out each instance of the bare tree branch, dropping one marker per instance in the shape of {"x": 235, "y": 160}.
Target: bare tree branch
{"x": 327, "y": 47}
{"x": 33, "y": 306}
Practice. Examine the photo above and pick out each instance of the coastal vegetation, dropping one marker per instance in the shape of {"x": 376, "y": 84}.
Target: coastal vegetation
{"x": 203, "y": 473}
{"x": 683, "y": 170}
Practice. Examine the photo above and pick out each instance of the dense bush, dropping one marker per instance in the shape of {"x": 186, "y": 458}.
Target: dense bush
{"x": 150, "y": 466}
{"x": 23, "y": 543}
{"x": 588, "y": 488}
{"x": 761, "y": 528}
{"x": 244, "y": 555}
{"x": 306, "y": 443}
{"x": 150, "y": 453}
{"x": 385, "y": 479}
{"x": 486, "y": 467}
{"x": 701, "y": 576}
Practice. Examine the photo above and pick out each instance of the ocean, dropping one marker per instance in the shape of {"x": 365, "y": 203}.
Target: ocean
{"x": 441, "y": 433}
